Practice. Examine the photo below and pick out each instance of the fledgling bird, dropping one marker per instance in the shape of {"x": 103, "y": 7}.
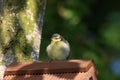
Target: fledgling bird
{"x": 58, "y": 49}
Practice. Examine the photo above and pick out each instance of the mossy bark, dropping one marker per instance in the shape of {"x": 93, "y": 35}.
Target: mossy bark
{"x": 21, "y": 24}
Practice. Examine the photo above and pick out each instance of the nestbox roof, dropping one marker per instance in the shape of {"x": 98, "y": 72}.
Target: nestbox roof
{"x": 56, "y": 70}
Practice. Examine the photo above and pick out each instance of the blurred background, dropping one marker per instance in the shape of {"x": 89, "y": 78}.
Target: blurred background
{"x": 92, "y": 28}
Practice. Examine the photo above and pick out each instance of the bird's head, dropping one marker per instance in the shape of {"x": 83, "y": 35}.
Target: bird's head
{"x": 56, "y": 37}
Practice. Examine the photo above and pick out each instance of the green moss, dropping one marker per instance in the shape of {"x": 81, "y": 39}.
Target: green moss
{"x": 34, "y": 6}
{"x": 23, "y": 24}
{"x": 7, "y": 28}
{"x": 21, "y": 48}
{"x": 27, "y": 20}
{"x": 2, "y": 63}
{"x": 29, "y": 15}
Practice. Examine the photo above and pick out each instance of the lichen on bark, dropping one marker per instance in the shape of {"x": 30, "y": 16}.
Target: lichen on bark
{"x": 20, "y": 30}
{"x": 21, "y": 24}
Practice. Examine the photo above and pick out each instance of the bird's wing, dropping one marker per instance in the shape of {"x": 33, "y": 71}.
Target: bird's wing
{"x": 48, "y": 49}
{"x": 65, "y": 48}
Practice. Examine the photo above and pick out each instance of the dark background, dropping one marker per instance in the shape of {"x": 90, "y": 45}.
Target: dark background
{"x": 92, "y": 28}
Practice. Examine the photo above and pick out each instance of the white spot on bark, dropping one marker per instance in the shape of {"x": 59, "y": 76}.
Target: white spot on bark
{"x": 32, "y": 18}
{"x": 28, "y": 11}
{"x": 27, "y": 23}
{"x": 28, "y": 2}
{"x": 29, "y": 37}
{"x": 2, "y": 70}
{"x": 4, "y": 21}
{"x": 13, "y": 14}
{"x": 13, "y": 29}
{"x": 10, "y": 14}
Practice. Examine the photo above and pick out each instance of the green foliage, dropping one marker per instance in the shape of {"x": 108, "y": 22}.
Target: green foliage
{"x": 112, "y": 36}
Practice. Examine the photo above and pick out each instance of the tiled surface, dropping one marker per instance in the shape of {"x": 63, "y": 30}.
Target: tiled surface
{"x": 89, "y": 74}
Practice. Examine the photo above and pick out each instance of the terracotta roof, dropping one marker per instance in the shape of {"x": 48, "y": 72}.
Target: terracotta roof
{"x": 56, "y": 70}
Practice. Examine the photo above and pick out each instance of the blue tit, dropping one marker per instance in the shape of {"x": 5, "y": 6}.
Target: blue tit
{"x": 58, "y": 49}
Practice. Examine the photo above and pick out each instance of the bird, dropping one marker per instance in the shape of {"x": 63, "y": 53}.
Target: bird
{"x": 58, "y": 49}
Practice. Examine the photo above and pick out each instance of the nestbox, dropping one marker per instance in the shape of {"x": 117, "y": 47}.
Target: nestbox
{"x": 56, "y": 70}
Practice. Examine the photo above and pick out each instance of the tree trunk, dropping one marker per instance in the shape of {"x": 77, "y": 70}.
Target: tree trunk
{"x": 21, "y": 24}
{"x": 1, "y": 5}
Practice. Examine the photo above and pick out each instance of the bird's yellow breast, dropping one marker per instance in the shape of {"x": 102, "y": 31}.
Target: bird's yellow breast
{"x": 58, "y": 50}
